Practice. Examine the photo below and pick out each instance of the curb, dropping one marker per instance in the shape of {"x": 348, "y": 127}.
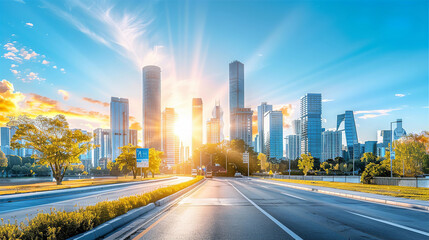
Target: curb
{"x": 61, "y": 192}
{"x": 356, "y": 197}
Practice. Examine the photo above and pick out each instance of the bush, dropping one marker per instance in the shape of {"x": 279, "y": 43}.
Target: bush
{"x": 63, "y": 225}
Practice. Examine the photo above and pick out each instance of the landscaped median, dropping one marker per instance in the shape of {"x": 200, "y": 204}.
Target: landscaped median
{"x": 394, "y": 191}
{"x": 62, "y": 225}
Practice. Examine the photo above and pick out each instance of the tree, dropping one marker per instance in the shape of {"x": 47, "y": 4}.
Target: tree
{"x": 326, "y": 166}
{"x": 154, "y": 161}
{"x": 410, "y": 156}
{"x": 263, "y": 158}
{"x": 3, "y": 161}
{"x": 54, "y": 143}
{"x": 127, "y": 159}
{"x": 375, "y": 170}
{"x": 368, "y": 157}
{"x": 306, "y": 163}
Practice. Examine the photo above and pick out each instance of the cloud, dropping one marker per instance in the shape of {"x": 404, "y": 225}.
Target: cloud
{"x": 13, "y": 65}
{"x": 10, "y": 47}
{"x": 29, "y": 24}
{"x": 45, "y": 62}
{"x": 287, "y": 112}
{"x": 33, "y": 76}
{"x": 55, "y": 67}
{"x": 62, "y": 70}
{"x": 136, "y": 126}
{"x": 374, "y": 113}
{"x": 399, "y": 95}
{"x": 327, "y": 100}
{"x": 64, "y": 93}
{"x": 14, "y": 71}
{"x": 104, "y": 104}
{"x": 9, "y": 100}
{"x": 27, "y": 55}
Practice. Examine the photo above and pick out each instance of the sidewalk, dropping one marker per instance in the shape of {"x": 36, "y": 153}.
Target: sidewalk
{"x": 370, "y": 197}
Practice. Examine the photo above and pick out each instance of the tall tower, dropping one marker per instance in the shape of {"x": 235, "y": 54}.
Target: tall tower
{"x": 311, "y": 124}
{"x": 119, "y": 124}
{"x": 273, "y": 134}
{"x": 349, "y": 129}
{"x": 152, "y": 107}
{"x": 104, "y": 150}
{"x": 197, "y": 123}
{"x": 169, "y": 139}
{"x": 262, "y": 109}
{"x": 236, "y": 96}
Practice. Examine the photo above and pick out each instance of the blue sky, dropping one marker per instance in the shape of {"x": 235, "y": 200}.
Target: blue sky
{"x": 366, "y": 56}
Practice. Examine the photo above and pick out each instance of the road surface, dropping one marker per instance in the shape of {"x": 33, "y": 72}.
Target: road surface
{"x": 20, "y": 210}
{"x": 250, "y": 209}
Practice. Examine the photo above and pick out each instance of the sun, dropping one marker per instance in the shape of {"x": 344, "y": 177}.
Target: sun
{"x": 183, "y": 128}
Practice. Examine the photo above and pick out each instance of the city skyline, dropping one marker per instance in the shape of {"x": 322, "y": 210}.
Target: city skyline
{"x": 38, "y": 79}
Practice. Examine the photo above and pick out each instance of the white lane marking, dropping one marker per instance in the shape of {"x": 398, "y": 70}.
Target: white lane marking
{"x": 283, "y": 227}
{"x": 290, "y": 195}
{"x": 392, "y": 224}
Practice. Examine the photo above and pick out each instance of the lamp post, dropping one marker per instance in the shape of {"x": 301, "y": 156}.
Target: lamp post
{"x": 390, "y": 153}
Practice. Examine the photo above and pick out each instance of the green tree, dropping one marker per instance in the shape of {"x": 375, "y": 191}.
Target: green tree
{"x": 3, "y": 162}
{"x": 375, "y": 170}
{"x": 326, "y": 167}
{"x": 306, "y": 163}
{"x": 154, "y": 161}
{"x": 410, "y": 156}
{"x": 368, "y": 157}
{"x": 127, "y": 159}
{"x": 263, "y": 158}
{"x": 54, "y": 143}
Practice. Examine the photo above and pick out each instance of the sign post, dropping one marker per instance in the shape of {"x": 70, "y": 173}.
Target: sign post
{"x": 246, "y": 160}
{"x": 142, "y": 157}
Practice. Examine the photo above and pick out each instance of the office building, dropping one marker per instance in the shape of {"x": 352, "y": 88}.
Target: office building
{"x": 243, "y": 125}
{"x": 293, "y": 147}
{"x": 311, "y": 124}
{"x": 5, "y": 140}
{"x": 215, "y": 125}
{"x": 104, "y": 150}
{"x": 256, "y": 143}
{"x": 399, "y": 131}
{"x": 349, "y": 129}
{"x": 197, "y": 123}
{"x": 152, "y": 107}
{"x": 384, "y": 137}
{"x": 273, "y": 134}
{"x": 262, "y": 109}
{"x": 169, "y": 139}
{"x": 296, "y": 127}
{"x": 119, "y": 124}
{"x": 236, "y": 97}
{"x": 132, "y": 133}
{"x": 331, "y": 145}
{"x": 358, "y": 150}
{"x": 371, "y": 147}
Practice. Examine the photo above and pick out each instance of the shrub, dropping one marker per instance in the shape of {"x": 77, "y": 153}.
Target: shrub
{"x": 62, "y": 224}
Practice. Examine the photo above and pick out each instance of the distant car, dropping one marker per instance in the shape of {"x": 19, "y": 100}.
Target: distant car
{"x": 238, "y": 175}
{"x": 209, "y": 174}
{"x": 194, "y": 172}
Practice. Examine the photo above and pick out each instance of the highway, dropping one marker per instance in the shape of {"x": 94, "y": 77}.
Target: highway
{"x": 69, "y": 200}
{"x": 251, "y": 209}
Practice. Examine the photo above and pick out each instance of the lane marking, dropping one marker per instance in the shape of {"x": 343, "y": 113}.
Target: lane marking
{"x": 290, "y": 195}
{"x": 151, "y": 226}
{"x": 283, "y": 227}
{"x": 392, "y": 224}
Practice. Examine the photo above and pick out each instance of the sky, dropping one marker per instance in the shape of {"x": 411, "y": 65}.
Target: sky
{"x": 70, "y": 57}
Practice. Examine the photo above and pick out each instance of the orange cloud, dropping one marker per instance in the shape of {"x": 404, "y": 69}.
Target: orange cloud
{"x": 287, "y": 111}
{"x": 136, "y": 126}
{"x": 9, "y": 100}
{"x": 104, "y": 104}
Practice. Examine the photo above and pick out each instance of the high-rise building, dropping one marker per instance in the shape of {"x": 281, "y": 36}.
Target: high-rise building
{"x": 215, "y": 125}
{"x": 296, "y": 127}
{"x": 371, "y": 147}
{"x": 262, "y": 109}
{"x": 399, "y": 131}
{"x": 243, "y": 125}
{"x": 273, "y": 134}
{"x": 169, "y": 139}
{"x": 119, "y": 124}
{"x": 5, "y": 140}
{"x": 152, "y": 107}
{"x": 293, "y": 147}
{"x": 384, "y": 137}
{"x": 331, "y": 145}
{"x": 256, "y": 145}
{"x": 349, "y": 130}
{"x": 187, "y": 153}
{"x": 104, "y": 151}
{"x": 182, "y": 153}
{"x": 311, "y": 124}
{"x": 132, "y": 133}
{"x": 236, "y": 96}
{"x": 197, "y": 123}
{"x": 86, "y": 158}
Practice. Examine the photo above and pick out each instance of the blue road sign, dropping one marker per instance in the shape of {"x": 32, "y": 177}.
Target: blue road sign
{"x": 142, "y": 156}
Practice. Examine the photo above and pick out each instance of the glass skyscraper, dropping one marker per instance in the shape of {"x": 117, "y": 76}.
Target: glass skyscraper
{"x": 236, "y": 96}
{"x": 349, "y": 129}
{"x": 399, "y": 131}
{"x": 293, "y": 147}
{"x": 311, "y": 124}
{"x": 262, "y": 109}
{"x": 152, "y": 107}
{"x": 331, "y": 145}
{"x": 273, "y": 134}
{"x": 104, "y": 151}
{"x": 169, "y": 138}
{"x": 119, "y": 124}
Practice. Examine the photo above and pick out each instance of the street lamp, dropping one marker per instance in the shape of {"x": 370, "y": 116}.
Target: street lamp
{"x": 390, "y": 153}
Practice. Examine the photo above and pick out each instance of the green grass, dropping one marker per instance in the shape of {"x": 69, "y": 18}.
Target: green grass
{"x": 63, "y": 225}
{"x": 394, "y": 191}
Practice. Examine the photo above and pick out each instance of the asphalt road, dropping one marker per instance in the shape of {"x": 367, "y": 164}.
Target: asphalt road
{"x": 20, "y": 210}
{"x": 250, "y": 209}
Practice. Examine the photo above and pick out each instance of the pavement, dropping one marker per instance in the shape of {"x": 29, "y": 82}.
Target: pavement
{"x": 72, "y": 199}
{"x": 228, "y": 208}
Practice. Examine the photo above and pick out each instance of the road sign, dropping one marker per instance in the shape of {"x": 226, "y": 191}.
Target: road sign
{"x": 142, "y": 156}
{"x": 245, "y": 157}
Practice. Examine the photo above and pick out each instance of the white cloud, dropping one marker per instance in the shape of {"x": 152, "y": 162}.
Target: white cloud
{"x": 14, "y": 71}
{"x": 10, "y": 47}
{"x": 399, "y": 95}
{"x": 33, "y": 76}
{"x": 45, "y": 62}
{"x": 55, "y": 67}
{"x": 64, "y": 94}
{"x": 27, "y": 55}
{"x": 327, "y": 100}
{"x": 62, "y": 70}
{"x": 374, "y": 113}
{"x": 29, "y": 24}
{"x": 13, "y": 65}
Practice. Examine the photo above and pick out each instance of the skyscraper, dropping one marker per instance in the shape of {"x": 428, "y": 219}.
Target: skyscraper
{"x": 273, "y": 134}
{"x": 331, "y": 145}
{"x": 262, "y": 109}
{"x": 296, "y": 125}
{"x": 169, "y": 140}
{"x": 197, "y": 123}
{"x": 399, "y": 131}
{"x": 152, "y": 107}
{"x": 236, "y": 96}
{"x": 243, "y": 125}
{"x": 349, "y": 129}
{"x": 215, "y": 125}
{"x": 293, "y": 147}
{"x": 371, "y": 147}
{"x": 311, "y": 124}
{"x": 5, "y": 140}
{"x": 104, "y": 151}
{"x": 384, "y": 137}
{"x": 132, "y": 133}
{"x": 119, "y": 124}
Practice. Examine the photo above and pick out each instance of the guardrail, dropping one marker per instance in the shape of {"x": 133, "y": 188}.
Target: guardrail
{"x": 346, "y": 179}
{"x": 406, "y": 181}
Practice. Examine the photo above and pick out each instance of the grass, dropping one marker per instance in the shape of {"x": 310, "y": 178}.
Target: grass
{"x": 394, "y": 191}
{"x": 48, "y": 186}
{"x": 63, "y": 225}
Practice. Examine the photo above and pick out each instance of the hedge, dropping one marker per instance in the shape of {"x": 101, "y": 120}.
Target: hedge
{"x": 63, "y": 225}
